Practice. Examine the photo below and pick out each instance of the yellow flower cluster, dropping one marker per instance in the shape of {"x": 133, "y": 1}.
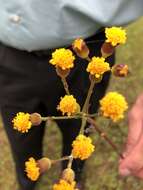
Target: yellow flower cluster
{"x": 64, "y": 185}
{"x": 63, "y": 58}
{"x": 68, "y": 105}
{"x": 32, "y": 170}
{"x": 97, "y": 66}
{"x": 115, "y": 35}
{"x": 113, "y": 105}
{"x": 82, "y": 147}
{"x": 21, "y": 122}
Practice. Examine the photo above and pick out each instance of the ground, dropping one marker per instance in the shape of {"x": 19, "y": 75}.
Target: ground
{"x": 101, "y": 171}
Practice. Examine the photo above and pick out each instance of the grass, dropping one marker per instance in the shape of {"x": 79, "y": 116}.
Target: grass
{"x": 101, "y": 170}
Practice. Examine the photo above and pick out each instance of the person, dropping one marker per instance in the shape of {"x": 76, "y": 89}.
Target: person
{"x": 132, "y": 164}
{"x": 29, "y": 32}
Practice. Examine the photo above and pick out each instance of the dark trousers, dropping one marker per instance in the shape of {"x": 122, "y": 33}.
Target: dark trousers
{"x": 29, "y": 83}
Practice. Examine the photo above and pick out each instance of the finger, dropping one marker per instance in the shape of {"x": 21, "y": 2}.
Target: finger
{"x": 139, "y": 174}
{"x": 134, "y": 134}
{"x": 133, "y": 163}
{"x": 135, "y": 130}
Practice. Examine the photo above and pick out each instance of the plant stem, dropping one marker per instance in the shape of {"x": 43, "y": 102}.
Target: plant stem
{"x": 60, "y": 117}
{"x": 61, "y": 159}
{"x": 70, "y": 162}
{"x": 104, "y": 135}
{"x": 88, "y": 59}
{"x": 79, "y": 115}
{"x": 65, "y": 84}
{"x": 86, "y": 105}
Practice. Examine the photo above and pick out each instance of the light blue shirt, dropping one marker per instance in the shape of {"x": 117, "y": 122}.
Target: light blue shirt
{"x": 42, "y": 24}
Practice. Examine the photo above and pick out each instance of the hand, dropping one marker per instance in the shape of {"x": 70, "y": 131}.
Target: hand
{"x": 132, "y": 164}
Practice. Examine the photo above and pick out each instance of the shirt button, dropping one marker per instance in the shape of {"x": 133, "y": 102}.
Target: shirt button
{"x": 15, "y": 18}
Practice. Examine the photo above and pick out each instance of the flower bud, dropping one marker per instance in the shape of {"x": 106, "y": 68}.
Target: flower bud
{"x": 44, "y": 164}
{"x": 35, "y": 119}
{"x": 94, "y": 77}
{"x": 107, "y": 49}
{"x": 120, "y": 70}
{"x": 68, "y": 175}
{"x": 62, "y": 73}
{"x": 80, "y": 48}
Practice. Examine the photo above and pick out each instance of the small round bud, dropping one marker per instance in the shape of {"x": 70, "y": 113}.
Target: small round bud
{"x": 97, "y": 79}
{"x": 107, "y": 49}
{"x": 44, "y": 164}
{"x": 120, "y": 70}
{"x": 35, "y": 119}
{"x": 80, "y": 48}
{"x": 62, "y": 73}
{"x": 68, "y": 175}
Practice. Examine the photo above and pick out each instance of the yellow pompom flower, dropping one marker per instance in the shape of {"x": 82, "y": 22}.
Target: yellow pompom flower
{"x": 68, "y": 105}
{"x": 63, "y": 58}
{"x": 97, "y": 66}
{"x": 82, "y": 147}
{"x": 64, "y": 185}
{"x": 21, "y": 122}
{"x": 113, "y": 105}
{"x": 32, "y": 170}
{"x": 115, "y": 35}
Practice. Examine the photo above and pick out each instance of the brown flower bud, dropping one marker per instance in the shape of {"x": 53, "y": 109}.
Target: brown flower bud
{"x": 35, "y": 119}
{"x": 107, "y": 49}
{"x": 44, "y": 164}
{"x": 62, "y": 73}
{"x": 120, "y": 70}
{"x": 97, "y": 80}
{"x": 80, "y": 48}
{"x": 68, "y": 175}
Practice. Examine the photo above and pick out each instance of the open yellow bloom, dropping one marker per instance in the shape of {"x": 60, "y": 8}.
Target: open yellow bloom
{"x": 97, "y": 66}
{"x": 22, "y": 122}
{"x": 63, "y": 58}
{"x": 64, "y": 185}
{"x": 68, "y": 105}
{"x": 82, "y": 147}
{"x": 113, "y": 105}
{"x": 115, "y": 35}
{"x": 32, "y": 170}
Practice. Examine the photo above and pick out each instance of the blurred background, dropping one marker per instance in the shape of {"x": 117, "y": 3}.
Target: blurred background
{"x": 101, "y": 170}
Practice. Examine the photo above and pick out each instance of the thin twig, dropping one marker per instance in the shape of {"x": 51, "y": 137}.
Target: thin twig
{"x": 61, "y": 159}
{"x": 86, "y": 105}
{"x": 88, "y": 59}
{"x": 61, "y": 117}
{"x": 77, "y": 116}
{"x": 70, "y": 162}
{"x": 65, "y": 84}
{"x": 104, "y": 135}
